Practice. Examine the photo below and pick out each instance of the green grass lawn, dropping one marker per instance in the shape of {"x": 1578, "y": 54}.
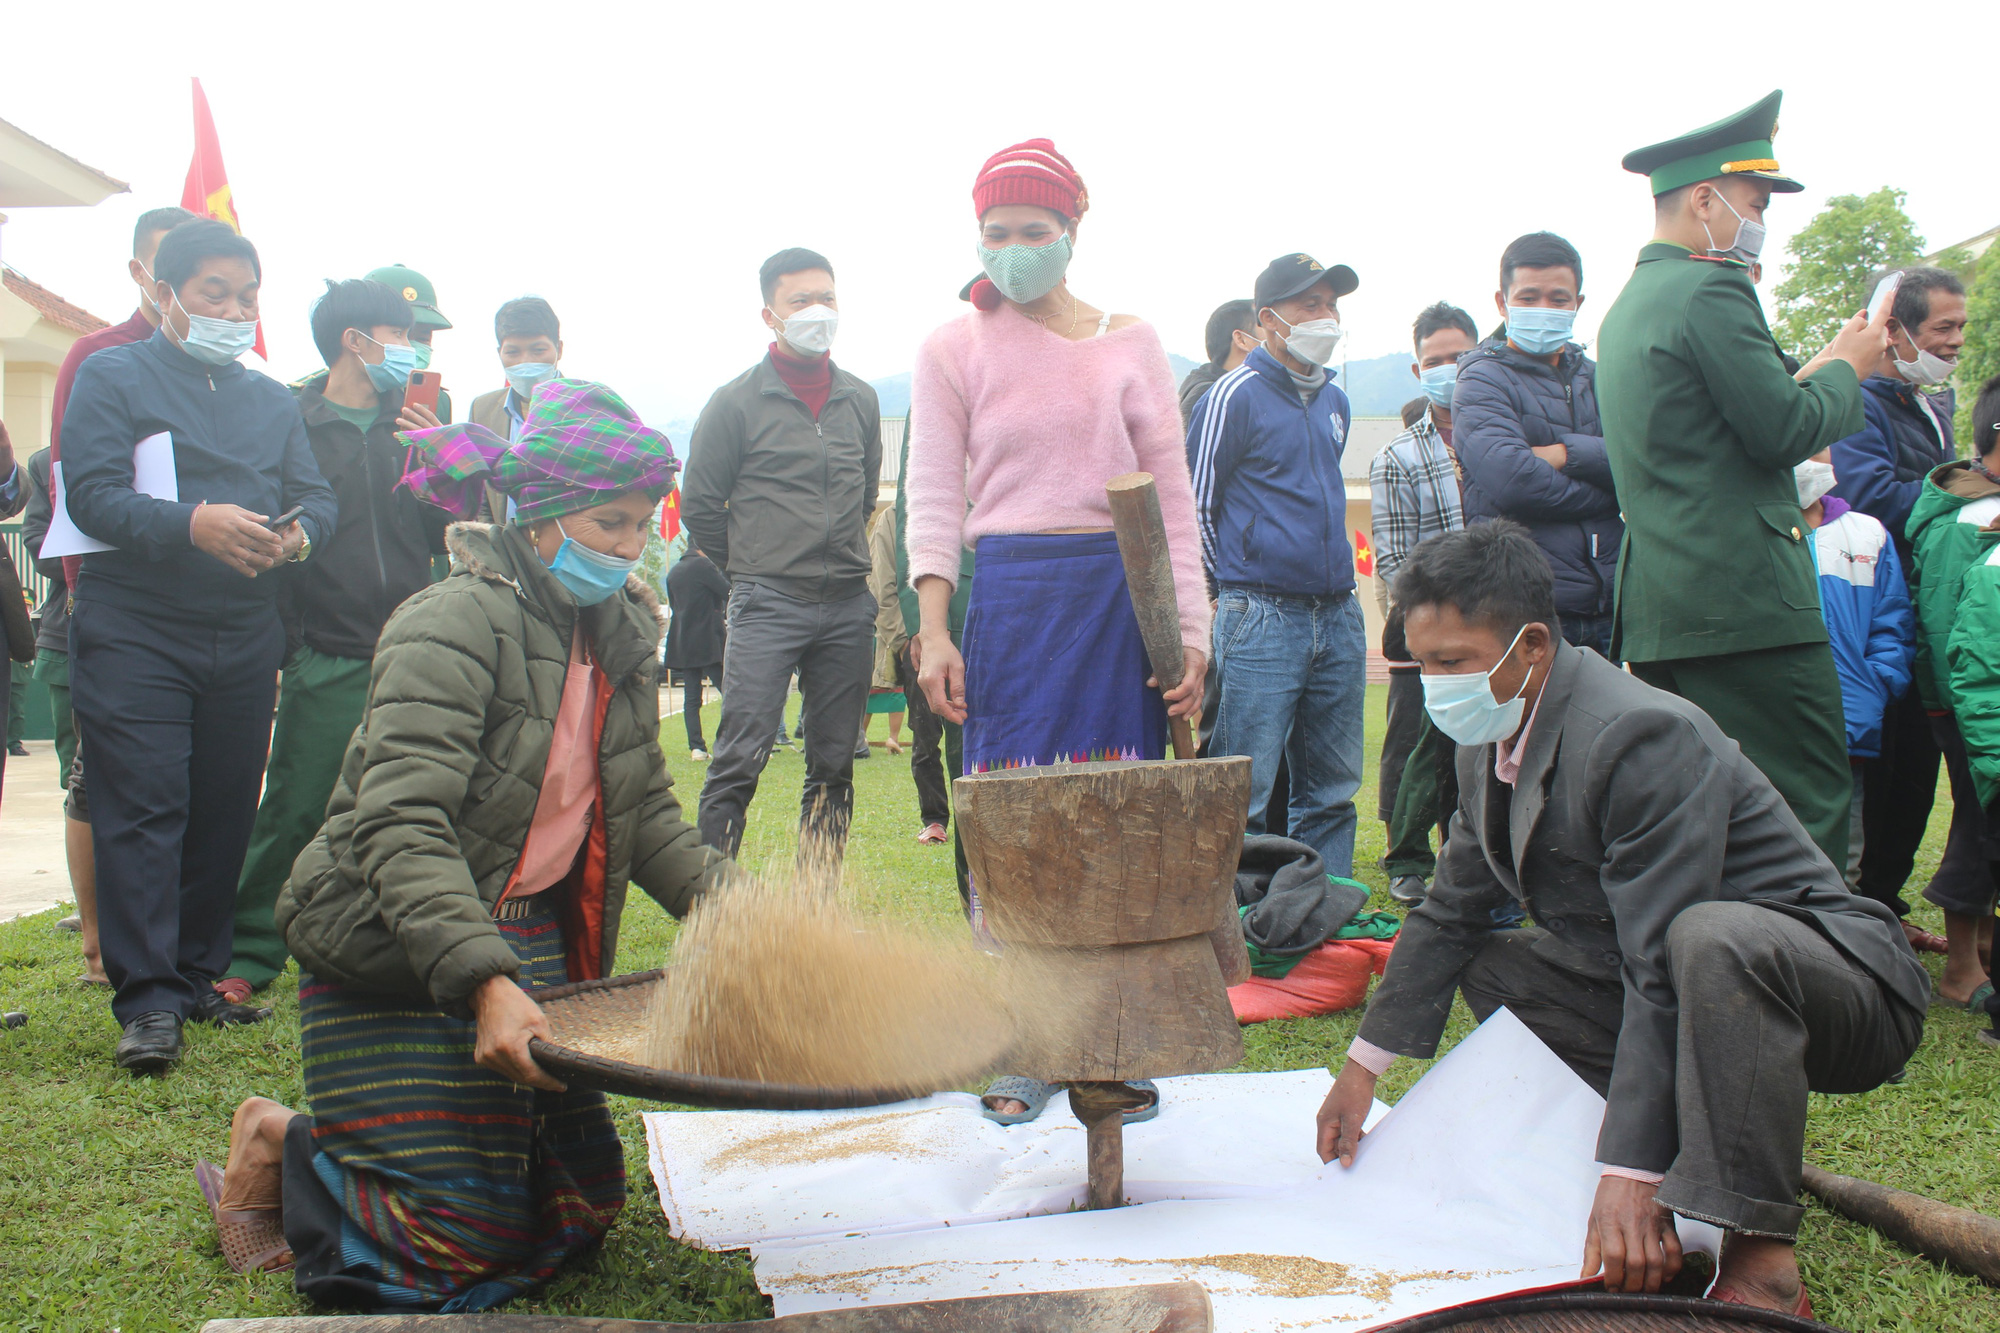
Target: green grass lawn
{"x": 101, "y": 1226}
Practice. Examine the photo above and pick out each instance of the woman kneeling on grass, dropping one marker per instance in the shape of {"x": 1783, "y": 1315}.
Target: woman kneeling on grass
{"x": 504, "y": 786}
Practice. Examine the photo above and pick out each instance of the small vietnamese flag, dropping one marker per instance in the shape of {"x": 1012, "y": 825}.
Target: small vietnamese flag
{"x": 207, "y": 194}
{"x": 670, "y": 516}
{"x": 1364, "y": 554}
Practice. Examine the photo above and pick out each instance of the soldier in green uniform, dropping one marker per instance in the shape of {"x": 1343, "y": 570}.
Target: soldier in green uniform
{"x": 1717, "y": 597}
{"x": 415, "y": 288}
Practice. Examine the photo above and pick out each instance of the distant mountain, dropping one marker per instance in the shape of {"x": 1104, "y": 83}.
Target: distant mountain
{"x": 1379, "y": 386}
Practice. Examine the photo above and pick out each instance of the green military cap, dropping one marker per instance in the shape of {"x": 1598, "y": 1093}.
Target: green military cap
{"x": 1738, "y": 145}
{"x": 415, "y": 288}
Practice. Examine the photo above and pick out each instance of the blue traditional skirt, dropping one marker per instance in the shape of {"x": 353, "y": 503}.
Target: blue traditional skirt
{"x": 421, "y": 1181}
{"x": 1055, "y": 670}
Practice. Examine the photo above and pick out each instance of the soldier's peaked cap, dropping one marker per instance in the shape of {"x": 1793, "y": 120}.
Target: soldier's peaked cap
{"x": 1738, "y": 145}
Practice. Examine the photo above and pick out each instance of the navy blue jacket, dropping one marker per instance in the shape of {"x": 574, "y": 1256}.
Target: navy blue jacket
{"x": 1507, "y": 403}
{"x": 1268, "y": 493}
{"x": 1880, "y": 469}
{"x": 238, "y": 439}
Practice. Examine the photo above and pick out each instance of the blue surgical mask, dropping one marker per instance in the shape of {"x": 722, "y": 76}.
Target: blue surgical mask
{"x": 1538, "y": 329}
{"x": 1463, "y": 707}
{"x": 217, "y": 341}
{"x": 392, "y": 372}
{"x": 591, "y": 576}
{"x": 1439, "y": 382}
{"x": 524, "y": 377}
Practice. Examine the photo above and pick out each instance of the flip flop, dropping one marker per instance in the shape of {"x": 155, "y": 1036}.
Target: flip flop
{"x": 1923, "y": 941}
{"x": 1973, "y": 1002}
{"x": 1150, "y": 1110}
{"x": 1730, "y": 1296}
{"x": 251, "y": 1240}
{"x": 1030, "y": 1092}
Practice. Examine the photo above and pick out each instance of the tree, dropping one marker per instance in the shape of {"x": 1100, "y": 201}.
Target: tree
{"x": 1832, "y": 256}
{"x": 1980, "y": 359}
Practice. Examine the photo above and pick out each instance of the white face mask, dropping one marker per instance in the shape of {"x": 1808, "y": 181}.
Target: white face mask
{"x": 1814, "y": 480}
{"x": 1749, "y": 241}
{"x": 811, "y": 330}
{"x": 1312, "y": 341}
{"x": 1927, "y": 370}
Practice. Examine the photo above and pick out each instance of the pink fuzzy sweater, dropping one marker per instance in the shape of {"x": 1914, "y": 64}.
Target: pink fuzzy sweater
{"x": 1026, "y": 426}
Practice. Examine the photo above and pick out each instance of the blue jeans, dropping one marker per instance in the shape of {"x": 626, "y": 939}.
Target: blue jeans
{"x": 1292, "y": 675}
{"x": 1588, "y": 632}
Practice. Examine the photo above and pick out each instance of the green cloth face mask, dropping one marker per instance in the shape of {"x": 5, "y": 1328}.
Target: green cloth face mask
{"x": 1025, "y": 272}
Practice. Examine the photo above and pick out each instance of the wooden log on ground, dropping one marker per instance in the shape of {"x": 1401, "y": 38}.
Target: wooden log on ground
{"x": 1166, "y": 1307}
{"x": 1958, "y": 1236}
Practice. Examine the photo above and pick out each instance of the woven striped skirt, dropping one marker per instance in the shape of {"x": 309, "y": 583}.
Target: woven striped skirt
{"x": 423, "y": 1182}
{"x": 1055, "y": 670}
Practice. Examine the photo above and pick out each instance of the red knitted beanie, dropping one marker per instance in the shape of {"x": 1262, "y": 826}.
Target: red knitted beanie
{"x": 1032, "y": 172}
{"x": 1029, "y": 172}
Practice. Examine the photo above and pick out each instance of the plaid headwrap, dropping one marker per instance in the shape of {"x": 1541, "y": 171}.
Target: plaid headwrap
{"x": 580, "y": 445}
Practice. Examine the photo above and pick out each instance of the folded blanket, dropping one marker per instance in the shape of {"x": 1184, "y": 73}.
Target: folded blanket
{"x": 1289, "y": 904}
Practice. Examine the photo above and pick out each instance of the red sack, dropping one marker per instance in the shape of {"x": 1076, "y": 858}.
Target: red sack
{"x": 1331, "y": 978}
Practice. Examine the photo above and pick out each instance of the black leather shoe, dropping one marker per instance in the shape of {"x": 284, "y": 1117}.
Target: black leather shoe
{"x": 212, "y": 1006}
{"x": 18, "y": 750}
{"x": 151, "y": 1044}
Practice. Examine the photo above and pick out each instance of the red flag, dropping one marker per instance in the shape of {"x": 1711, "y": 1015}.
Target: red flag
{"x": 670, "y": 516}
{"x": 206, "y": 194}
{"x": 1364, "y": 554}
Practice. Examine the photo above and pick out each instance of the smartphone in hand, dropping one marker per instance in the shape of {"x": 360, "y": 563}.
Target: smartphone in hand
{"x": 425, "y": 385}
{"x": 1885, "y": 292}
{"x": 286, "y": 519}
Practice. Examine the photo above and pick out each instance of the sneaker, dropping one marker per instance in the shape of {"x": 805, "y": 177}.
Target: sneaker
{"x": 71, "y": 923}
{"x": 1409, "y": 890}
{"x": 933, "y": 835}
{"x": 702, "y": 755}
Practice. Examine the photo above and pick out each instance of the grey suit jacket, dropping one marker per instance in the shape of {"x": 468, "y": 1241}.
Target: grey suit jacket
{"x": 1631, "y": 806}
{"x": 489, "y": 409}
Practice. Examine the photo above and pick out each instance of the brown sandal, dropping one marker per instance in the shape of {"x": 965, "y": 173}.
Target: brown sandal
{"x": 252, "y": 1239}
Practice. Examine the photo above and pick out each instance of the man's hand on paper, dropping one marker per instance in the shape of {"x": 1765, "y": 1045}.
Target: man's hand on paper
{"x": 1630, "y": 1237}
{"x": 237, "y": 537}
{"x": 1343, "y": 1113}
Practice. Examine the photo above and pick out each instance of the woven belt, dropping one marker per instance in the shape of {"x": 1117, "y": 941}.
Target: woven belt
{"x": 513, "y": 909}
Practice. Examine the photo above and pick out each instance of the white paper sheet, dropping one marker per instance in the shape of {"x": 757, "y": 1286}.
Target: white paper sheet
{"x": 1477, "y": 1184}
{"x": 734, "y": 1178}
{"x": 154, "y": 474}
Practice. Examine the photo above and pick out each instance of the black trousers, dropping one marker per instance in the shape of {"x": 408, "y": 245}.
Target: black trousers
{"x": 937, "y": 759}
{"x": 691, "y": 685}
{"x": 1778, "y": 1012}
{"x": 179, "y": 719}
{"x": 1966, "y": 875}
{"x": 1405, "y": 724}
{"x": 1897, "y": 789}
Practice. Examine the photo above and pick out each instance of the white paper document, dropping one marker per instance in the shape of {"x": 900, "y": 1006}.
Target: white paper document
{"x": 1477, "y": 1184}
{"x": 153, "y": 474}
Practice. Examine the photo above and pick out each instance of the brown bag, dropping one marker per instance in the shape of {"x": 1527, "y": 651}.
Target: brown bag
{"x": 14, "y": 611}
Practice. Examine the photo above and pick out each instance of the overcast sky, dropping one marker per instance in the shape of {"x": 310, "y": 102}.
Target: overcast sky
{"x": 635, "y": 164}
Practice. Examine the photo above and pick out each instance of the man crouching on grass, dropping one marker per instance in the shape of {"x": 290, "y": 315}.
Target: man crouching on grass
{"x": 1657, "y": 862}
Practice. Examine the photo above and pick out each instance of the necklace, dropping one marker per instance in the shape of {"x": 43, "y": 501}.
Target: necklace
{"x": 1043, "y": 320}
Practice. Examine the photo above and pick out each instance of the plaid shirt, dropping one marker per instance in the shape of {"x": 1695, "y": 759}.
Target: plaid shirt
{"x": 1413, "y": 494}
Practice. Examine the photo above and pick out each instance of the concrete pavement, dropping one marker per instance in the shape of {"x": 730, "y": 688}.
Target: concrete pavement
{"x": 33, "y": 873}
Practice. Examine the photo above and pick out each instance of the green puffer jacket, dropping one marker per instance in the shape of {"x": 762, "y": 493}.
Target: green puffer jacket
{"x": 1952, "y": 528}
{"x": 1974, "y": 659}
{"x": 395, "y": 895}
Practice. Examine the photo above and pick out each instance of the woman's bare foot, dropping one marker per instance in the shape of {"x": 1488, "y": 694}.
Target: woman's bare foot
{"x": 1760, "y": 1271}
{"x": 253, "y": 1178}
{"x": 1963, "y": 972}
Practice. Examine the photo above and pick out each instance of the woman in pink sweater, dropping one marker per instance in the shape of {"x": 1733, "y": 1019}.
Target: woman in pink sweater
{"x": 1021, "y": 411}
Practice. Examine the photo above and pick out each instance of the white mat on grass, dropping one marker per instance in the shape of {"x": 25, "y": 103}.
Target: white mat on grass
{"x": 735, "y": 1178}
{"x": 1477, "y": 1184}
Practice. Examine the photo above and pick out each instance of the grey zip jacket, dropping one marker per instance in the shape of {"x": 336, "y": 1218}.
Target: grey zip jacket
{"x": 778, "y": 499}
